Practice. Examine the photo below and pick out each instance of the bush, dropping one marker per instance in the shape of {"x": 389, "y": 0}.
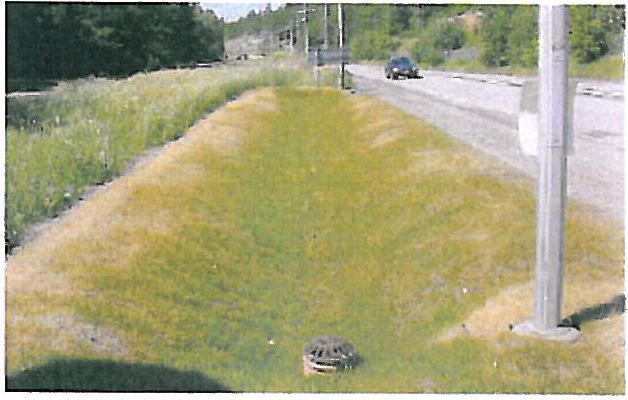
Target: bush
{"x": 440, "y": 36}
{"x": 372, "y": 45}
{"x": 447, "y": 35}
{"x": 425, "y": 53}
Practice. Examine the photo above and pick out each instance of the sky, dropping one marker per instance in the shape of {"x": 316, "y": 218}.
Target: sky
{"x": 232, "y": 11}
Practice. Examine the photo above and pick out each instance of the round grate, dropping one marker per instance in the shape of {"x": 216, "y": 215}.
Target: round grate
{"x": 328, "y": 354}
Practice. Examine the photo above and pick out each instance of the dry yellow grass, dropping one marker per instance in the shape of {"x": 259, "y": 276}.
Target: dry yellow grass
{"x": 276, "y": 219}
{"x": 514, "y": 304}
{"x": 30, "y": 273}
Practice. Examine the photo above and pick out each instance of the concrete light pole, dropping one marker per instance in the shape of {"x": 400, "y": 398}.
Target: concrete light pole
{"x": 554, "y": 126}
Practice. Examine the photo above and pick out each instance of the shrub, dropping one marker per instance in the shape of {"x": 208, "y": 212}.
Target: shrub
{"x": 372, "y": 45}
{"x": 425, "y": 53}
{"x": 441, "y": 36}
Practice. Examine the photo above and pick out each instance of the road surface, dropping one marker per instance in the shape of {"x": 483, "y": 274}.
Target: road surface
{"x": 483, "y": 112}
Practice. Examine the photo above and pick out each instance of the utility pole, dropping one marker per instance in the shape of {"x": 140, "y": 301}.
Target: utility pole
{"x": 305, "y": 20}
{"x": 307, "y": 31}
{"x": 325, "y": 15}
{"x": 291, "y": 38}
{"x": 554, "y": 127}
{"x": 341, "y": 41}
{"x": 296, "y": 29}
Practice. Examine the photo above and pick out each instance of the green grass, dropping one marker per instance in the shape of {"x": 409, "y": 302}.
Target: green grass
{"x": 478, "y": 67}
{"x": 335, "y": 215}
{"x": 84, "y": 132}
{"x": 609, "y": 67}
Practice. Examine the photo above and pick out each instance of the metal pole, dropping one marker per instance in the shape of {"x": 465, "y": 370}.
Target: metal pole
{"x": 325, "y": 11}
{"x": 551, "y": 197}
{"x": 551, "y": 200}
{"x": 341, "y": 23}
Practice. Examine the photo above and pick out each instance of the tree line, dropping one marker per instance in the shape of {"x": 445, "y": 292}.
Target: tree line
{"x": 65, "y": 41}
{"x": 500, "y": 34}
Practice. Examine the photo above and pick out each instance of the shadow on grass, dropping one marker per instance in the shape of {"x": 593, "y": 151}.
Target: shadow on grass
{"x": 617, "y": 305}
{"x": 110, "y": 376}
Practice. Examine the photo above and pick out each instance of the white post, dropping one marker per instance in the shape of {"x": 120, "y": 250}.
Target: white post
{"x": 554, "y": 127}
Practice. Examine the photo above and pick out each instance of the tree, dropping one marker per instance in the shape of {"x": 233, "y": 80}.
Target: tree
{"x": 446, "y": 35}
{"x": 400, "y": 18}
{"x": 494, "y": 36}
{"x": 371, "y": 45}
{"x": 523, "y": 37}
{"x": 64, "y": 41}
{"x": 424, "y": 52}
{"x": 588, "y": 35}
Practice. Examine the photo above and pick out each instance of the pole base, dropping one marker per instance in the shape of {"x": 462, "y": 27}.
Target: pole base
{"x": 558, "y": 334}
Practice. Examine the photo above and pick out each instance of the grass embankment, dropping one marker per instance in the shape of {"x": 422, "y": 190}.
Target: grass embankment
{"x": 84, "y": 132}
{"x": 608, "y": 68}
{"x": 302, "y": 212}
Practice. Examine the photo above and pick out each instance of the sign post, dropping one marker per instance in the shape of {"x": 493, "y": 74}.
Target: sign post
{"x": 554, "y": 129}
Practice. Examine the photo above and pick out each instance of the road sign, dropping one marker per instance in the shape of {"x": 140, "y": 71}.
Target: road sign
{"x": 529, "y": 117}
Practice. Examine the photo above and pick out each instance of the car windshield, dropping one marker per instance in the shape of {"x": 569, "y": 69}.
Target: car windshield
{"x": 402, "y": 62}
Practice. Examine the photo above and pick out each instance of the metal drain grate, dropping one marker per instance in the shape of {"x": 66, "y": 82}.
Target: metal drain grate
{"x": 328, "y": 354}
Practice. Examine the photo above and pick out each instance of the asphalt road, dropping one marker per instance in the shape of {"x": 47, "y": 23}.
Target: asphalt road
{"x": 483, "y": 111}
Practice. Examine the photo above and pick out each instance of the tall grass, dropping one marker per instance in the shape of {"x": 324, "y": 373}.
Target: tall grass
{"x": 84, "y": 132}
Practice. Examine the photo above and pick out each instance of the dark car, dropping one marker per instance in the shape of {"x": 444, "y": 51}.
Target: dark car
{"x": 401, "y": 66}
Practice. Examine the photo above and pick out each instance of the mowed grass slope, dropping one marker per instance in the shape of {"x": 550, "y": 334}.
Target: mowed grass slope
{"x": 302, "y": 212}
